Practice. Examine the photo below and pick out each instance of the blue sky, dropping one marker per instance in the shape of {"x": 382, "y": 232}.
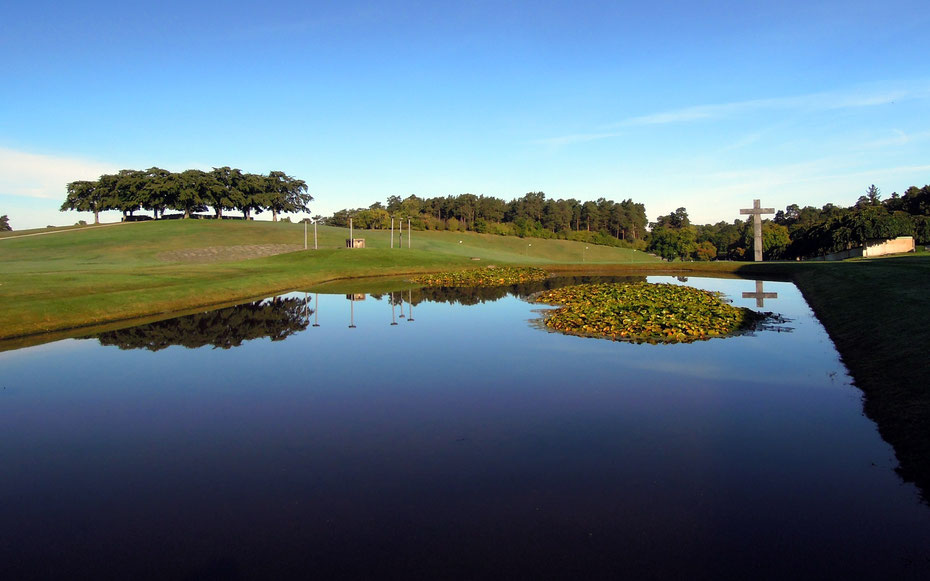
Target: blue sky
{"x": 705, "y": 105}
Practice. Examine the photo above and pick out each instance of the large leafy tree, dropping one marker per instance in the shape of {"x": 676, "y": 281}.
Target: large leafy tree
{"x": 673, "y": 236}
{"x": 158, "y": 190}
{"x": 284, "y": 194}
{"x": 194, "y": 191}
{"x": 127, "y": 188}
{"x": 86, "y": 196}
{"x": 253, "y": 195}
{"x": 226, "y": 193}
{"x": 5, "y": 224}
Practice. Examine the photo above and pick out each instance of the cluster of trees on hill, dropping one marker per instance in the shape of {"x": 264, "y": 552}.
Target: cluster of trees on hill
{"x": 600, "y": 222}
{"x": 158, "y": 190}
{"x": 5, "y": 224}
{"x": 797, "y": 232}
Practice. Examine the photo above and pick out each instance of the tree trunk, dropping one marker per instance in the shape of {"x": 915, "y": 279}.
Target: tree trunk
{"x": 96, "y": 216}
{"x": 274, "y": 215}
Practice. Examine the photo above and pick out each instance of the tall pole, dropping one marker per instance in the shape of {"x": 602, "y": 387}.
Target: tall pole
{"x": 400, "y": 239}
{"x": 410, "y": 293}
{"x": 408, "y": 232}
{"x": 305, "y": 235}
{"x": 392, "y": 231}
{"x": 351, "y": 236}
{"x": 316, "y": 311}
{"x": 314, "y": 236}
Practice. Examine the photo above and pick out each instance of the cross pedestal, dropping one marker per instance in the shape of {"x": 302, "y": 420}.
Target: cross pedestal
{"x": 759, "y": 295}
{"x": 757, "y": 210}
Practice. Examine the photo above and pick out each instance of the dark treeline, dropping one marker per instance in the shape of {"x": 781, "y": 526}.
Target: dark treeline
{"x": 797, "y": 232}
{"x": 158, "y": 190}
{"x": 599, "y": 222}
{"x": 275, "y": 319}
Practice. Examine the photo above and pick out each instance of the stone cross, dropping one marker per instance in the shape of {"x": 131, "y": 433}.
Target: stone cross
{"x": 759, "y": 295}
{"x": 757, "y": 210}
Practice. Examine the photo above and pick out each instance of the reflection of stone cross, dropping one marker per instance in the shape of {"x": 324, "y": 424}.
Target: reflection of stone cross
{"x": 759, "y": 295}
{"x": 757, "y": 210}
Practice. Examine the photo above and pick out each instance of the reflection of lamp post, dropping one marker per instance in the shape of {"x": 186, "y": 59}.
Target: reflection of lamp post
{"x": 393, "y": 319}
{"x": 410, "y": 295}
{"x": 352, "y": 312}
{"x": 316, "y": 311}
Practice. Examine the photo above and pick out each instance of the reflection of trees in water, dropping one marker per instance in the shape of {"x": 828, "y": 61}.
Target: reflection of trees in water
{"x": 476, "y": 295}
{"x": 276, "y": 318}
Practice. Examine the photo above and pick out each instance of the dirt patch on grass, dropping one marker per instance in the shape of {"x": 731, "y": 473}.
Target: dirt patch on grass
{"x": 227, "y": 253}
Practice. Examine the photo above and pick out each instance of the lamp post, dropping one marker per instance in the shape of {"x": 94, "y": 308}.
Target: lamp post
{"x": 583, "y": 253}
{"x": 315, "y": 247}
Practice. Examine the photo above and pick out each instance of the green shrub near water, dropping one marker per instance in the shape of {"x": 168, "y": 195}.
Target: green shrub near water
{"x": 644, "y": 312}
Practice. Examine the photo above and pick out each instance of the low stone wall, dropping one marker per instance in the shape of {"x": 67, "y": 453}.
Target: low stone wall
{"x": 893, "y": 246}
{"x": 872, "y": 249}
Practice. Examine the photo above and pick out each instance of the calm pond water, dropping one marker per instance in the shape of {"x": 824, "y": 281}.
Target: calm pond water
{"x": 462, "y": 442}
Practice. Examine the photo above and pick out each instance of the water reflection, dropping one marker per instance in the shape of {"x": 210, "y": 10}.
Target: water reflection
{"x": 478, "y": 295}
{"x": 760, "y": 295}
{"x": 276, "y": 319}
{"x": 282, "y": 317}
{"x": 468, "y": 446}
